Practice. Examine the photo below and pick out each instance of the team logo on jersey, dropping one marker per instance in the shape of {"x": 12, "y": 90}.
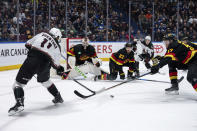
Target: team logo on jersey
{"x": 84, "y": 57}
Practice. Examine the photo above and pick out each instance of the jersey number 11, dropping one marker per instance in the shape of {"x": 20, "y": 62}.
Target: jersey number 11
{"x": 44, "y": 42}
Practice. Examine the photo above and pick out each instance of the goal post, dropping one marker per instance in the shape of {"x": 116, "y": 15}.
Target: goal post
{"x": 66, "y": 44}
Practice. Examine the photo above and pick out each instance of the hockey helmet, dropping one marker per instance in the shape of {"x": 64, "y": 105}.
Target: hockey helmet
{"x": 56, "y": 34}
{"x": 148, "y": 38}
{"x": 128, "y": 44}
{"x": 128, "y": 47}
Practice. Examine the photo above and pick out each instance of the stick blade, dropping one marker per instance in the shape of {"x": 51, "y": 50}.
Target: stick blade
{"x": 81, "y": 95}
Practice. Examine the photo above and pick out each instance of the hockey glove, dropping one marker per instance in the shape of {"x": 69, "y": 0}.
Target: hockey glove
{"x": 65, "y": 75}
{"x": 148, "y": 66}
{"x": 155, "y": 69}
{"x": 140, "y": 57}
{"x": 155, "y": 61}
{"x": 97, "y": 62}
{"x": 60, "y": 70}
{"x": 159, "y": 57}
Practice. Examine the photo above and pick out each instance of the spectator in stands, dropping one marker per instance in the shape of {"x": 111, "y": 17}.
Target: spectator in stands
{"x": 139, "y": 35}
{"x": 165, "y": 15}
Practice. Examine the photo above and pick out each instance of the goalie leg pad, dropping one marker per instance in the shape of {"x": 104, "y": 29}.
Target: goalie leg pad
{"x": 85, "y": 68}
{"x": 75, "y": 72}
{"x": 93, "y": 69}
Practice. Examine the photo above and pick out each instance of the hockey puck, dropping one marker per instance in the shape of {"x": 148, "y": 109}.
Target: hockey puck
{"x": 112, "y": 96}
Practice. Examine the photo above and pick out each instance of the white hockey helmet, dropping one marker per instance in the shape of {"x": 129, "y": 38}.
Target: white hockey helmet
{"x": 56, "y": 33}
{"x": 148, "y": 38}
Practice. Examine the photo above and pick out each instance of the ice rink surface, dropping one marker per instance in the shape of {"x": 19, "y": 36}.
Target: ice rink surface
{"x": 137, "y": 106}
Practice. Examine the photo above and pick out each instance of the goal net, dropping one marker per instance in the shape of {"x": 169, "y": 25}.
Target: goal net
{"x": 66, "y": 44}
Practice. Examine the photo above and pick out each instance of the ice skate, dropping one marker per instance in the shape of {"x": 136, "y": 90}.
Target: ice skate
{"x": 58, "y": 99}
{"x": 173, "y": 90}
{"x": 19, "y": 106}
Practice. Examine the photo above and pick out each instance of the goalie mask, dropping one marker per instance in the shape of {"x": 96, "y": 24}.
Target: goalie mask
{"x": 85, "y": 42}
{"x": 56, "y": 34}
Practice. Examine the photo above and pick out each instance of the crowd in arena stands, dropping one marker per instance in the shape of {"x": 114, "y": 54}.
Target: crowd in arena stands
{"x": 165, "y": 19}
{"x": 96, "y": 30}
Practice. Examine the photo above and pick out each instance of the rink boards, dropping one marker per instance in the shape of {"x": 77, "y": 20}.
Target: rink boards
{"x": 13, "y": 54}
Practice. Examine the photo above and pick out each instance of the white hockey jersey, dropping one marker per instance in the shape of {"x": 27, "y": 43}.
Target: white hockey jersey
{"x": 141, "y": 48}
{"x": 44, "y": 43}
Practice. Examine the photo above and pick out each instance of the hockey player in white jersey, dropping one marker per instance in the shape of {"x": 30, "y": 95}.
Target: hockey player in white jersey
{"x": 44, "y": 52}
{"x": 144, "y": 51}
{"x": 82, "y": 59}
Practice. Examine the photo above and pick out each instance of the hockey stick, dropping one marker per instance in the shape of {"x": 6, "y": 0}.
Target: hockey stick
{"x": 179, "y": 80}
{"x": 104, "y": 89}
{"x": 63, "y": 57}
{"x": 76, "y": 69}
{"x": 80, "y": 72}
{"x": 83, "y": 86}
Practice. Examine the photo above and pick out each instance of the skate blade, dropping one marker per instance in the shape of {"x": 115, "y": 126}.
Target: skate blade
{"x": 172, "y": 92}
{"x": 11, "y": 113}
{"x": 57, "y": 103}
